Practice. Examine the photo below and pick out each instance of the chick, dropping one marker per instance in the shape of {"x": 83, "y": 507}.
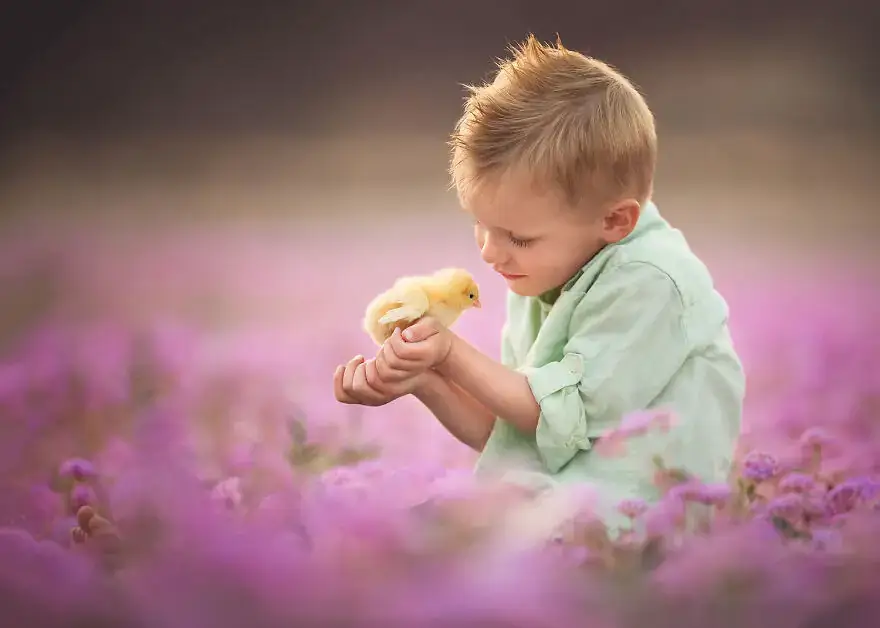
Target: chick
{"x": 444, "y": 295}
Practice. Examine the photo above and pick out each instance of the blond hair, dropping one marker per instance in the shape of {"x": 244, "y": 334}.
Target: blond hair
{"x": 571, "y": 120}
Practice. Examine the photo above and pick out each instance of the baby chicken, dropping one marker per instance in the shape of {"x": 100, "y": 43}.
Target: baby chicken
{"x": 444, "y": 295}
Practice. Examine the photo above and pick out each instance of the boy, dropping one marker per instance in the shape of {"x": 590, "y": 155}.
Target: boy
{"x": 609, "y": 312}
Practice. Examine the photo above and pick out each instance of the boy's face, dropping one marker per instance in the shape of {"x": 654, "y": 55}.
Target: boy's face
{"x": 533, "y": 239}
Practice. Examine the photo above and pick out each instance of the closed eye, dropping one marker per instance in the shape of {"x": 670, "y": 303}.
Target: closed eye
{"x": 520, "y": 242}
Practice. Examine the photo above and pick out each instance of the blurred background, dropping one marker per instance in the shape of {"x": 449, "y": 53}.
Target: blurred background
{"x": 182, "y": 111}
{"x": 198, "y": 199}
{"x": 273, "y": 165}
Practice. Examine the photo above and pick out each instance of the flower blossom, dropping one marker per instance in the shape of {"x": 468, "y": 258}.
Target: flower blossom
{"x": 759, "y": 466}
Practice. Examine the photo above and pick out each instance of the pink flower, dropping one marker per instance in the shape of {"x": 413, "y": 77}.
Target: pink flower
{"x": 228, "y": 493}
{"x": 665, "y": 517}
{"x": 709, "y": 494}
{"x": 611, "y": 445}
{"x": 638, "y": 423}
{"x": 613, "y": 442}
{"x": 632, "y": 508}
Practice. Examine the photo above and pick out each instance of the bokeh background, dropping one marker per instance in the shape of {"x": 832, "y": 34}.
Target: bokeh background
{"x": 199, "y": 199}
{"x": 254, "y": 172}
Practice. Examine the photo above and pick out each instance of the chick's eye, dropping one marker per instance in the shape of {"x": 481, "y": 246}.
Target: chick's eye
{"x": 471, "y": 295}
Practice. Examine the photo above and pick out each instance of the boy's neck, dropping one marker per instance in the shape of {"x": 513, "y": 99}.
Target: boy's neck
{"x": 550, "y": 296}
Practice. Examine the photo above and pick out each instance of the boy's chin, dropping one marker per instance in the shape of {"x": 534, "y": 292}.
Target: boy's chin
{"x": 524, "y": 289}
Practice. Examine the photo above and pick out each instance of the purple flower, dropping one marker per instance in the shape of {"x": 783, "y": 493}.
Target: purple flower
{"x": 81, "y": 495}
{"x": 797, "y": 483}
{"x": 759, "y": 466}
{"x": 852, "y": 493}
{"x": 78, "y": 469}
{"x": 787, "y": 506}
{"x": 814, "y": 506}
{"x": 815, "y": 438}
{"x": 713, "y": 494}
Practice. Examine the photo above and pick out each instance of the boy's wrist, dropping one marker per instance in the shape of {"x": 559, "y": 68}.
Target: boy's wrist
{"x": 443, "y": 367}
{"x": 428, "y": 383}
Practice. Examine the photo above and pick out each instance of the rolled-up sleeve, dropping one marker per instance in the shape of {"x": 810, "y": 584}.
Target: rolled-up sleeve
{"x": 626, "y": 340}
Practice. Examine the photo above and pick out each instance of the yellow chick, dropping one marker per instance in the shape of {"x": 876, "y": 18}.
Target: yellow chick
{"x": 444, "y": 295}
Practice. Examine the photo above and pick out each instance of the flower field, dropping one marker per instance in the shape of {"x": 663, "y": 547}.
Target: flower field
{"x": 173, "y": 454}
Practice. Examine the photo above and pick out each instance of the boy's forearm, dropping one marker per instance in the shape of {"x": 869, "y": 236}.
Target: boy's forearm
{"x": 503, "y": 391}
{"x": 462, "y": 415}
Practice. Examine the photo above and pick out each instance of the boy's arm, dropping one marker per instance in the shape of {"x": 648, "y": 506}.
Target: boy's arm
{"x": 463, "y": 416}
{"x": 504, "y": 391}
{"x": 626, "y": 340}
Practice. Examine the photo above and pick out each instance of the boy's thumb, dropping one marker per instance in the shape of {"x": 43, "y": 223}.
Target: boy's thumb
{"x": 421, "y": 330}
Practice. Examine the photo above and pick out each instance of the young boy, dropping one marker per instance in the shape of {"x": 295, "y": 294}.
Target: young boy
{"x": 609, "y": 312}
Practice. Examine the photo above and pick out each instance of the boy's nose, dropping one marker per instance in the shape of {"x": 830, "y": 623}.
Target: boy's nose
{"x": 488, "y": 250}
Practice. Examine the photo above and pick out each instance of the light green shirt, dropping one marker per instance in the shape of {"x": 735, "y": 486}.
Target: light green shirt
{"x": 640, "y": 327}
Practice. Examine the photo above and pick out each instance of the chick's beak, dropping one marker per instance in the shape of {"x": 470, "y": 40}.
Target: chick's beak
{"x": 477, "y": 303}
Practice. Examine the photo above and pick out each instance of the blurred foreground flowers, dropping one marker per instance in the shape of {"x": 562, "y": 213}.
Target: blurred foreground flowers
{"x": 158, "y": 479}
{"x": 140, "y": 491}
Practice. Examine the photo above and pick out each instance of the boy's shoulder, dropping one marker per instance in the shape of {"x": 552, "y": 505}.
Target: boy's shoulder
{"x": 657, "y": 244}
{"x": 664, "y": 254}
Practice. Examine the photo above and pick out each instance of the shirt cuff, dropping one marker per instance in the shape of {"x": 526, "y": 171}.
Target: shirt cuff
{"x": 562, "y": 424}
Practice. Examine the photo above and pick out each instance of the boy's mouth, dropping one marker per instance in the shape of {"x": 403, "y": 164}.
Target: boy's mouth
{"x": 508, "y": 276}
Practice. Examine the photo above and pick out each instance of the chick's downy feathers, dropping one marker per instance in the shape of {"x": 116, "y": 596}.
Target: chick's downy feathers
{"x": 443, "y": 295}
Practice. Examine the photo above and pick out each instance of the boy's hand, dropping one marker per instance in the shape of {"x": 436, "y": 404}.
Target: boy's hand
{"x": 359, "y": 382}
{"x": 422, "y": 346}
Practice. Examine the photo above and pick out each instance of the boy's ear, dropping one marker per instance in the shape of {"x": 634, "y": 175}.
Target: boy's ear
{"x": 620, "y": 220}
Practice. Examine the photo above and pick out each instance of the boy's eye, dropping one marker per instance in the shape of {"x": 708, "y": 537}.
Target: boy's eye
{"x": 519, "y": 241}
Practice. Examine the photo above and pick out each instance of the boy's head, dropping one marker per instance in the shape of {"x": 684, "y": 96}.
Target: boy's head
{"x": 554, "y": 159}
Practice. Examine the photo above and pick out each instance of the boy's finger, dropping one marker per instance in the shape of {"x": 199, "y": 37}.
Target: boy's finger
{"x": 348, "y": 375}
{"x": 414, "y": 355}
{"x": 337, "y": 382}
{"x": 388, "y": 372}
{"x": 406, "y": 353}
{"x": 399, "y": 348}
{"x": 362, "y": 389}
{"x": 421, "y": 330}
{"x": 391, "y": 351}
{"x": 338, "y": 391}
{"x": 374, "y": 380}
